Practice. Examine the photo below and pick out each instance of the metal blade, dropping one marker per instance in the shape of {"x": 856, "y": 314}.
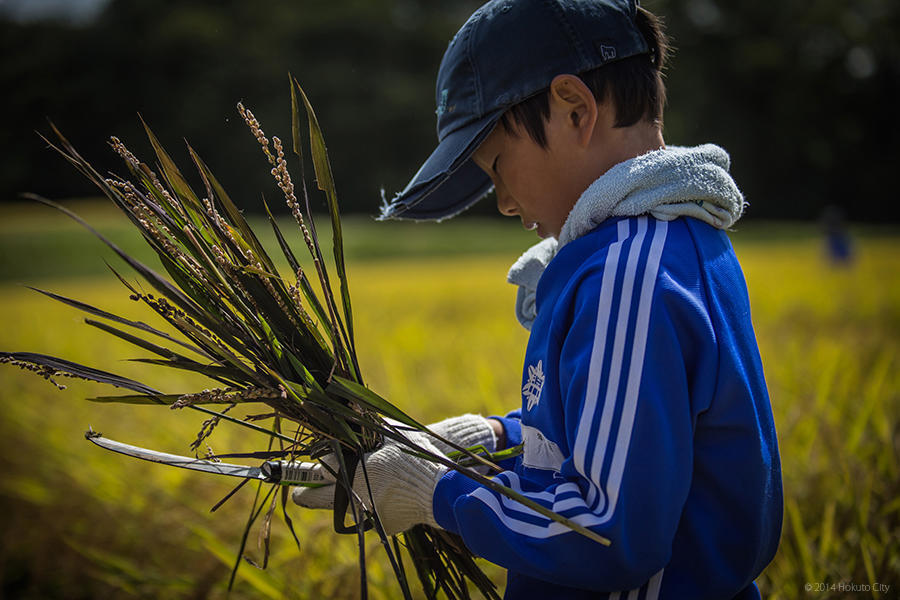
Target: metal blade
{"x": 174, "y": 460}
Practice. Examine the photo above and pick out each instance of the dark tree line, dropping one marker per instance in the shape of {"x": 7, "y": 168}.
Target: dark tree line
{"x": 801, "y": 93}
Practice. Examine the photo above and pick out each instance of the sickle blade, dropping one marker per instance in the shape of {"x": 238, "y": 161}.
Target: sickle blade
{"x": 185, "y": 462}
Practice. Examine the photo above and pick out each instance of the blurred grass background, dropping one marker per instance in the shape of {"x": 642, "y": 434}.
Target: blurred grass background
{"x": 796, "y": 91}
{"x": 437, "y": 336}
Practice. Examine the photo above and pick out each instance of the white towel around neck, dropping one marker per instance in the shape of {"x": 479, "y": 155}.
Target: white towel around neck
{"x": 667, "y": 183}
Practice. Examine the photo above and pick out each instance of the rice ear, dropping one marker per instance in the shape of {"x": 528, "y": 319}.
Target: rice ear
{"x": 51, "y": 366}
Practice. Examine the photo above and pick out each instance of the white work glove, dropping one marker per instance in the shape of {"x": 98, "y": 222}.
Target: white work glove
{"x": 402, "y": 485}
{"x": 466, "y": 430}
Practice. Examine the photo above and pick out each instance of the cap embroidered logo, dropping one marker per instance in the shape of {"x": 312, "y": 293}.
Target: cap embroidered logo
{"x": 442, "y": 106}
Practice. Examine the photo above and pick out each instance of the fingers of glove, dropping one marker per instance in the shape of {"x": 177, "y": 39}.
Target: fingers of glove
{"x": 398, "y": 484}
{"x": 323, "y": 497}
{"x": 328, "y": 465}
{"x": 449, "y": 429}
{"x": 401, "y": 486}
{"x": 466, "y": 431}
{"x": 320, "y": 497}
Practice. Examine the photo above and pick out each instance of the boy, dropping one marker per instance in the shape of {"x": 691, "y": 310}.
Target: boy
{"x": 644, "y": 415}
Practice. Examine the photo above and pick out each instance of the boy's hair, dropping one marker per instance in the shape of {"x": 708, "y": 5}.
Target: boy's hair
{"x": 634, "y": 85}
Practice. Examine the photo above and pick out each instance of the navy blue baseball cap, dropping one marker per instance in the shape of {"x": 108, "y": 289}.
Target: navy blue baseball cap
{"x": 507, "y": 51}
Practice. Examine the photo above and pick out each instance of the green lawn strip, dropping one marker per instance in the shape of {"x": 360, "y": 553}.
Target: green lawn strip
{"x": 38, "y": 243}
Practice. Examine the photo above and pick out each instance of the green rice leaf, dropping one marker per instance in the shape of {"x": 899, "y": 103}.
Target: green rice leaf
{"x": 325, "y": 182}
{"x": 302, "y": 281}
{"x": 175, "y": 178}
{"x": 295, "y": 122}
{"x": 221, "y": 374}
{"x": 167, "y": 399}
{"x": 263, "y": 430}
{"x": 112, "y": 317}
{"x": 176, "y": 360}
{"x": 325, "y": 411}
{"x": 287, "y": 519}
{"x": 306, "y": 377}
{"x": 77, "y": 370}
{"x": 282, "y": 243}
{"x": 84, "y": 167}
{"x": 235, "y": 216}
{"x": 140, "y": 342}
{"x": 254, "y": 514}
{"x": 154, "y": 279}
{"x": 258, "y": 271}
{"x": 259, "y": 581}
{"x": 351, "y": 390}
{"x": 223, "y": 352}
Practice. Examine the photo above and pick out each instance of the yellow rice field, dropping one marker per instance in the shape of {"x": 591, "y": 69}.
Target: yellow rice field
{"x": 438, "y": 337}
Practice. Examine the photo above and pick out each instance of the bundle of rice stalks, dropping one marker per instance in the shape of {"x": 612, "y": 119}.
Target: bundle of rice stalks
{"x": 266, "y": 338}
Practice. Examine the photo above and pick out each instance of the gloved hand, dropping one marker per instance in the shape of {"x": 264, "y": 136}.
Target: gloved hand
{"x": 466, "y": 430}
{"x": 402, "y": 485}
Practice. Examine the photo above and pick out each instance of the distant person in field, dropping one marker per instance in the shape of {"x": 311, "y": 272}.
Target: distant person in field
{"x": 838, "y": 245}
{"x": 644, "y": 412}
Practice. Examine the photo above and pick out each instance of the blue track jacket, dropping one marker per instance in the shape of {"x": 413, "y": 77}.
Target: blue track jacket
{"x": 645, "y": 418}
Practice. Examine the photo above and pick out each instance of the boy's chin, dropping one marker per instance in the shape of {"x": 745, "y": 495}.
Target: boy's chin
{"x": 533, "y": 226}
{"x": 541, "y": 232}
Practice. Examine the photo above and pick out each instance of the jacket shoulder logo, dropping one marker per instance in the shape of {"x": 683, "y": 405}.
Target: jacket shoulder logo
{"x": 531, "y": 391}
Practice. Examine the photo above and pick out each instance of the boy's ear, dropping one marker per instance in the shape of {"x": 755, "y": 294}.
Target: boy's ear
{"x": 573, "y": 102}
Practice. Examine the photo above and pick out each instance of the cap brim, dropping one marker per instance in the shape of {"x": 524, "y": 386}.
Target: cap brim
{"x": 449, "y": 182}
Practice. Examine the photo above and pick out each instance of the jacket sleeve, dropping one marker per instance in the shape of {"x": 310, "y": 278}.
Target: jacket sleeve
{"x": 625, "y": 377}
{"x": 512, "y": 426}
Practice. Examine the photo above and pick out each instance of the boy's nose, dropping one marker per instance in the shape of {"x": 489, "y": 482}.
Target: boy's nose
{"x": 505, "y": 204}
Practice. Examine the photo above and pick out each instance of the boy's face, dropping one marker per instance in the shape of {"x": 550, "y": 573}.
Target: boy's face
{"x": 532, "y": 182}
{"x": 542, "y": 184}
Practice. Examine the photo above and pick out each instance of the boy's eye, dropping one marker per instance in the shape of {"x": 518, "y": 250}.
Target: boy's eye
{"x": 494, "y": 166}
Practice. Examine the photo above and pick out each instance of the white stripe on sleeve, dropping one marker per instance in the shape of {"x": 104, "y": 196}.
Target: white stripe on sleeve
{"x": 505, "y": 508}
{"x": 654, "y": 585}
{"x": 615, "y": 369}
{"x": 597, "y": 353}
{"x": 636, "y": 368}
